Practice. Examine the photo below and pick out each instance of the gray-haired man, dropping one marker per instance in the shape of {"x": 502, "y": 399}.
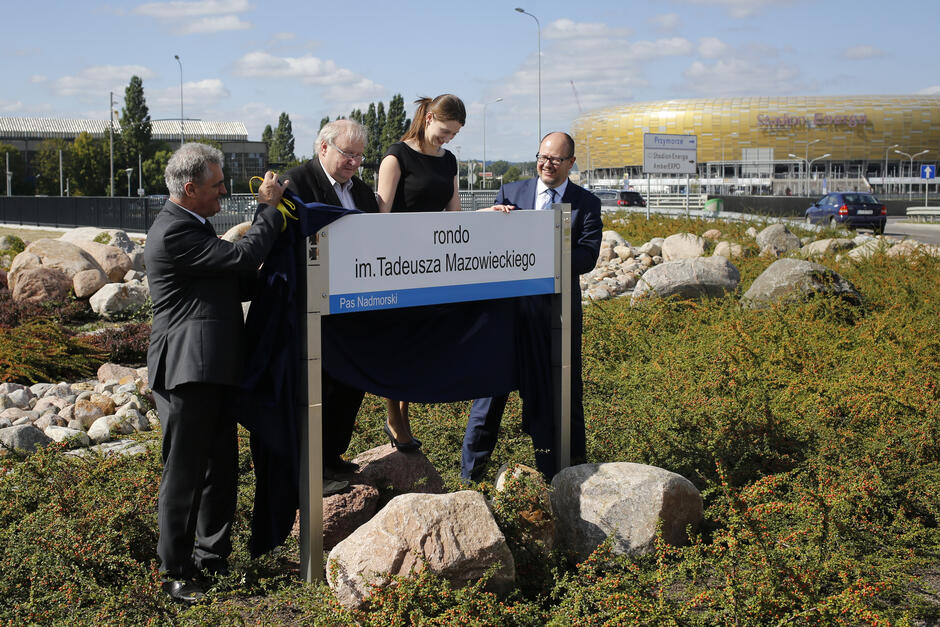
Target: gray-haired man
{"x": 197, "y": 283}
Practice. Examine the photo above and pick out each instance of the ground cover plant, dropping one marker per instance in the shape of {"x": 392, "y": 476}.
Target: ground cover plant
{"x": 812, "y": 430}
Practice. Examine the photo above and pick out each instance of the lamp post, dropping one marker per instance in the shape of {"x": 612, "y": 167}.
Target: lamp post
{"x": 885, "y": 173}
{"x": 111, "y": 142}
{"x": 484, "y": 133}
{"x": 456, "y": 150}
{"x": 809, "y": 168}
{"x": 806, "y": 159}
{"x": 802, "y": 165}
{"x": 129, "y": 172}
{"x": 177, "y": 57}
{"x": 538, "y": 27}
{"x": 910, "y": 192}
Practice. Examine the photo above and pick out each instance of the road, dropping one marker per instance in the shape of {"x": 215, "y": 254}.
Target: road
{"x": 928, "y": 233}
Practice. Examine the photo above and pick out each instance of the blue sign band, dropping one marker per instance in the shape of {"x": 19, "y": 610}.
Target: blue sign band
{"x": 393, "y": 299}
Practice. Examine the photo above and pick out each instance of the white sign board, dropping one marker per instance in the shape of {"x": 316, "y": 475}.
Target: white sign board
{"x": 669, "y": 154}
{"x": 386, "y": 261}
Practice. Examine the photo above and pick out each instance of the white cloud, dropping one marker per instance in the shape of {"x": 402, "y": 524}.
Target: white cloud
{"x": 929, "y": 91}
{"x": 863, "y": 52}
{"x": 7, "y": 106}
{"x": 735, "y": 76}
{"x": 215, "y": 25}
{"x": 743, "y": 8}
{"x": 179, "y": 8}
{"x": 712, "y": 47}
{"x": 341, "y": 86}
{"x": 93, "y": 81}
{"x": 666, "y": 22}
{"x": 197, "y": 96}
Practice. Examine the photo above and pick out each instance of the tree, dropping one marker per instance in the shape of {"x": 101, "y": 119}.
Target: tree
{"x": 135, "y": 124}
{"x": 282, "y": 143}
{"x": 46, "y": 165}
{"x": 395, "y": 122}
{"x": 154, "y": 169}
{"x": 512, "y": 174}
{"x": 323, "y": 122}
{"x": 90, "y": 167}
{"x": 267, "y": 136}
{"x": 18, "y": 183}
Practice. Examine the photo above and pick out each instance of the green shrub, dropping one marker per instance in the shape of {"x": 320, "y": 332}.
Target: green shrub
{"x": 126, "y": 344}
{"x": 41, "y": 351}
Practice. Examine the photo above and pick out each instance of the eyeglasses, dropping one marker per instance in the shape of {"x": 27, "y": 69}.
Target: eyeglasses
{"x": 555, "y": 161}
{"x": 347, "y": 155}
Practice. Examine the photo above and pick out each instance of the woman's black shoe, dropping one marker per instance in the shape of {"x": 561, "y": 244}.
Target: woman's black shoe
{"x": 405, "y": 447}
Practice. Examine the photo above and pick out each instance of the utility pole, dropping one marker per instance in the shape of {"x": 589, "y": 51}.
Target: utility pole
{"x": 111, "y": 143}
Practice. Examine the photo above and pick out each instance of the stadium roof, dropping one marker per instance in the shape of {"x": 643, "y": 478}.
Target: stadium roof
{"x": 162, "y": 130}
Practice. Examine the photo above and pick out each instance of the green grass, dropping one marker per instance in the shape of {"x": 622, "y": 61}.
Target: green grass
{"x": 811, "y": 430}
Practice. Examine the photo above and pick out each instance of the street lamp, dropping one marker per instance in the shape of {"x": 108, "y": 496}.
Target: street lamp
{"x": 910, "y": 193}
{"x": 809, "y": 168}
{"x": 806, "y": 158}
{"x": 129, "y": 172}
{"x": 484, "y": 132}
{"x": 177, "y": 57}
{"x": 538, "y": 27}
{"x": 885, "y": 173}
{"x": 802, "y": 165}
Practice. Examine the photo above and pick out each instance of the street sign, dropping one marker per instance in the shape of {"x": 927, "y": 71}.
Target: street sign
{"x": 928, "y": 172}
{"x": 669, "y": 154}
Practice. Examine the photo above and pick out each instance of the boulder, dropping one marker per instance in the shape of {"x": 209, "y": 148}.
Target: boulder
{"x": 625, "y": 502}
{"x": 111, "y": 237}
{"x": 652, "y": 247}
{"x": 454, "y": 535}
{"x": 728, "y": 250}
{"x": 102, "y": 429}
{"x": 24, "y": 437}
{"x": 393, "y": 472}
{"x": 21, "y": 398}
{"x": 682, "y": 246}
{"x": 109, "y": 371}
{"x": 86, "y": 412}
{"x": 826, "y": 246}
{"x": 42, "y": 284}
{"x": 112, "y": 259}
{"x": 777, "y": 240}
{"x": 87, "y": 282}
{"x": 712, "y": 234}
{"x": 65, "y": 256}
{"x": 615, "y": 239}
{"x": 699, "y": 277}
{"x": 22, "y": 261}
{"x": 345, "y": 512}
{"x": 790, "y": 280}
{"x": 76, "y": 437}
{"x": 115, "y": 299}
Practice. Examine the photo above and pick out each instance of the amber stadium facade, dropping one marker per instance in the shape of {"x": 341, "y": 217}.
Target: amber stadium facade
{"x": 771, "y": 145}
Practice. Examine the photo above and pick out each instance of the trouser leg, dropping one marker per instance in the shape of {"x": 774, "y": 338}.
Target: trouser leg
{"x": 341, "y": 404}
{"x": 479, "y": 439}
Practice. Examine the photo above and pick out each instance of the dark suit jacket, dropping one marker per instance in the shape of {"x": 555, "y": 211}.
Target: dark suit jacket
{"x": 586, "y": 227}
{"x": 196, "y": 284}
{"x": 309, "y": 181}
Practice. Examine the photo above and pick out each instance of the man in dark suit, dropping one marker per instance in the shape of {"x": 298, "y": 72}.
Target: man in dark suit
{"x": 554, "y": 161}
{"x": 330, "y": 178}
{"x": 197, "y": 283}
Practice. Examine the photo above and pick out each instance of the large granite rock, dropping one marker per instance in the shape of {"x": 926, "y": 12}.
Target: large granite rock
{"x": 776, "y": 240}
{"x": 23, "y": 438}
{"x": 113, "y": 261}
{"x": 826, "y": 246}
{"x": 454, "y": 535}
{"x": 345, "y": 512}
{"x": 87, "y": 282}
{"x": 791, "y": 280}
{"x": 393, "y": 472}
{"x": 40, "y": 285}
{"x": 625, "y": 502}
{"x": 698, "y": 277}
{"x": 116, "y": 299}
{"x": 682, "y": 246}
{"x": 65, "y": 256}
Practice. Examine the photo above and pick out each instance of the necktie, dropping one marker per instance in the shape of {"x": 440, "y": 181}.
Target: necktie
{"x": 552, "y": 194}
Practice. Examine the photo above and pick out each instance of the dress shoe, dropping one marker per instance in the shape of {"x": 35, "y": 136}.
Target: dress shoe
{"x": 405, "y": 447}
{"x": 184, "y": 591}
{"x": 331, "y": 486}
{"x": 339, "y": 466}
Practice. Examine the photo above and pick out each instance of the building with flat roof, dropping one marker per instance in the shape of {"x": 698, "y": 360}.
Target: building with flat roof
{"x": 772, "y": 142}
{"x": 243, "y": 158}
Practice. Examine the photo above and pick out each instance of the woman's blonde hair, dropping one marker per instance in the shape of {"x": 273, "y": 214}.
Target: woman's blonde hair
{"x": 446, "y": 108}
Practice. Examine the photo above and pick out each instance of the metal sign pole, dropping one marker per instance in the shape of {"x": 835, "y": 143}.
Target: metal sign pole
{"x": 561, "y": 335}
{"x": 311, "y": 412}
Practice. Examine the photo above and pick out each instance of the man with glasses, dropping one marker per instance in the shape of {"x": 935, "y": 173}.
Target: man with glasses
{"x": 553, "y": 163}
{"x": 330, "y": 178}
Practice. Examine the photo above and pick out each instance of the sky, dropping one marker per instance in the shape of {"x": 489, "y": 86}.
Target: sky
{"x": 245, "y": 60}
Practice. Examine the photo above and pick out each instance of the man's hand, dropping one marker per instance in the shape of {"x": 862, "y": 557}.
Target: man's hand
{"x": 501, "y": 208}
{"x": 271, "y": 190}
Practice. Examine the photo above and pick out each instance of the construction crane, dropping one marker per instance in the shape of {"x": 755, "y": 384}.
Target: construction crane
{"x": 587, "y": 142}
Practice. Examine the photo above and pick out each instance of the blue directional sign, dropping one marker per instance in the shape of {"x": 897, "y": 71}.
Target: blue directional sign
{"x": 928, "y": 172}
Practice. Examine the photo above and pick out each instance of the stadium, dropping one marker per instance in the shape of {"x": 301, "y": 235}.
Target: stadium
{"x": 769, "y": 145}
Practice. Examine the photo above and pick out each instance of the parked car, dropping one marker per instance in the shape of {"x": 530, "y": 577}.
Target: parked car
{"x": 630, "y": 199}
{"x": 852, "y": 209}
{"x": 607, "y": 196}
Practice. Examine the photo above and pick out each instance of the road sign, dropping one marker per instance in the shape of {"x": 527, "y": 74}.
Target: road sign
{"x": 669, "y": 154}
{"x": 928, "y": 172}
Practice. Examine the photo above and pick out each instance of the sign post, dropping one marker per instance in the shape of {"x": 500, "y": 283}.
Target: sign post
{"x": 367, "y": 262}
{"x": 670, "y": 154}
{"x": 927, "y": 172}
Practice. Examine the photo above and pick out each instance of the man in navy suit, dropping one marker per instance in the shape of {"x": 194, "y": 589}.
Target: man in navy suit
{"x": 197, "y": 283}
{"x": 553, "y": 163}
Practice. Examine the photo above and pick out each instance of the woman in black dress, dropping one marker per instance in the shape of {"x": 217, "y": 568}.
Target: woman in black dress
{"x": 418, "y": 174}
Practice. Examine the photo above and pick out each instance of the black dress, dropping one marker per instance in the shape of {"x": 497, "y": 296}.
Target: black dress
{"x": 426, "y": 182}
